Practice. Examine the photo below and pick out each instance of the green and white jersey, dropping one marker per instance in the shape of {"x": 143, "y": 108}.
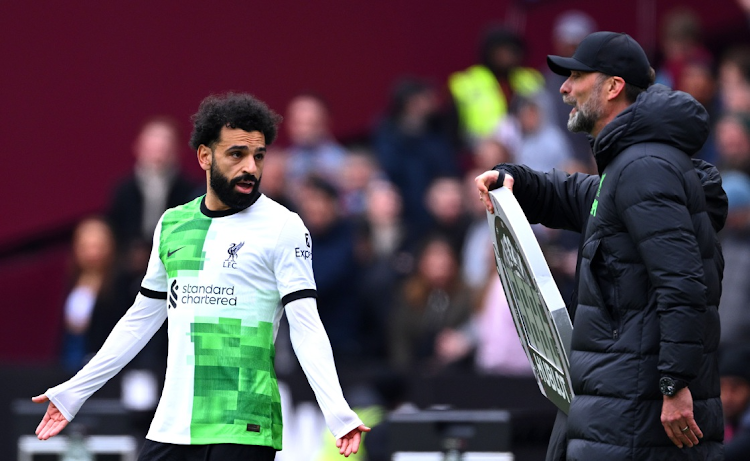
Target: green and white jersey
{"x": 221, "y": 279}
{"x": 226, "y": 276}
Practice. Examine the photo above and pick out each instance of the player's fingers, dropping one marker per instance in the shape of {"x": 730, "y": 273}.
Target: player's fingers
{"x": 57, "y": 427}
{"x": 42, "y": 423}
{"x": 355, "y": 442}
{"x": 41, "y": 398}
{"x": 508, "y": 181}
{"x": 343, "y": 445}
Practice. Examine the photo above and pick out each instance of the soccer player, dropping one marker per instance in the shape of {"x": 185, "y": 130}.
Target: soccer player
{"x": 222, "y": 270}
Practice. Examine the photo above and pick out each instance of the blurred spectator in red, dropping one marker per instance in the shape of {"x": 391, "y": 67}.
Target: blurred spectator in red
{"x": 93, "y": 256}
{"x": 735, "y": 241}
{"x": 445, "y": 203}
{"x": 155, "y": 185}
{"x": 313, "y": 149}
{"x": 273, "y": 183}
{"x": 410, "y": 147}
{"x": 569, "y": 29}
{"x": 681, "y": 42}
{"x": 334, "y": 263}
{"x": 483, "y": 92}
{"x": 431, "y": 300}
{"x": 735, "y": 399}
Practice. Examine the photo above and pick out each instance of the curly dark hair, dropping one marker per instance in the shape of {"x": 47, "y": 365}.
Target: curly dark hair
{"x": 232, "y": 110}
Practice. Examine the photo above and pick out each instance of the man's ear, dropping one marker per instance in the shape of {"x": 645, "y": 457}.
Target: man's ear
{"x": 615, "y": 88}
{"x": 205, "y": 157}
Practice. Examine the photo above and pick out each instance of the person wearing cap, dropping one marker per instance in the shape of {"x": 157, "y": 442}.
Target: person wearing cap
{"x": 646, "y": 326}
{"x": 734, "y": 368}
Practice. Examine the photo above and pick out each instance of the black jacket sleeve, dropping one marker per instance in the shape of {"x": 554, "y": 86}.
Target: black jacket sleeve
{"x": 555, "y": 199}
{"x": 652, "y": 202}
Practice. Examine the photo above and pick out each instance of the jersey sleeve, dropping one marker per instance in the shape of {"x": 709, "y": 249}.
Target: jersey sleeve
{"x": 313, "y": 349}
{"x": 155, "y": 281}
{"x": 293, "y": 262}
{"x": 127, "y": 338}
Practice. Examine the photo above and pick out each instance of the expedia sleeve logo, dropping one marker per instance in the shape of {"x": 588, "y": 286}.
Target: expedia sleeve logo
{"x": 304, "y": 253}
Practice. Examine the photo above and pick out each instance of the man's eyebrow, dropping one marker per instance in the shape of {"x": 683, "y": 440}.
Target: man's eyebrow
{"x": 245, "y": 148}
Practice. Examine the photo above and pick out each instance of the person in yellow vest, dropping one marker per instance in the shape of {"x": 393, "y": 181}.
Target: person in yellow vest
{"x": 482, "y": 93}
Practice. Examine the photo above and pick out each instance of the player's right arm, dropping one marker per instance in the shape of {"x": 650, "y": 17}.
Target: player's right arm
{"x": 127, "y": 338}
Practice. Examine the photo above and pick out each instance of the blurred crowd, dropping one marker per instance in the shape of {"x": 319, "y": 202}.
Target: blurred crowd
{"x": 401, "y": 247}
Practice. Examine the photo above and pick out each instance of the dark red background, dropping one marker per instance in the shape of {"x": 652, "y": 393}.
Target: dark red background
{"x": 79, "y": 77}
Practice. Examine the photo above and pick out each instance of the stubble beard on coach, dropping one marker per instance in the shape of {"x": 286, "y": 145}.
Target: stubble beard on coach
{"x": 585, "y": 118}
{"x": 224, "y": 189}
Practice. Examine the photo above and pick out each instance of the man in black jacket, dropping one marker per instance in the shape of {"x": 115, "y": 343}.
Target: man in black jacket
{"x": 646, "y": 326}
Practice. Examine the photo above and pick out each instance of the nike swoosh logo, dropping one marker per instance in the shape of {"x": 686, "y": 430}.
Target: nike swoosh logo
{"x": 170, "y": 253}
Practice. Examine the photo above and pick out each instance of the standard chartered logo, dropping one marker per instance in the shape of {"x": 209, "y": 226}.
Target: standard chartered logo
{"x": 208, "y": 294}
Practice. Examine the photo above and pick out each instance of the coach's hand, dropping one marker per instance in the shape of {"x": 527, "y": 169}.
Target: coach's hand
{"x": 486, "y": 181}
{"x": 349, "y": 443}
{"x": 53, "y": 421}
{"x": 678, "y": 421}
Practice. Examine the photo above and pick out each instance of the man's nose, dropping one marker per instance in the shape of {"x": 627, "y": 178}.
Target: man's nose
{"x": 565, "y": 87}
{"x": 249, "y": 165}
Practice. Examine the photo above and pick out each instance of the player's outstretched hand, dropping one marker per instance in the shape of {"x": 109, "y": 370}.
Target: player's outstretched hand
{"x": 53, "y": 421}
{"x": 349, "y": 443}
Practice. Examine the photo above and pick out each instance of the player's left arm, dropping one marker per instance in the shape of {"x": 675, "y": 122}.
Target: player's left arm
{"x": 296, "y": 285}
{"x": 313, "y": 349}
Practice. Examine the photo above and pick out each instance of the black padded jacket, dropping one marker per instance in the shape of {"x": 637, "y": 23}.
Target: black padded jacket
{"x": 649, "y": 278}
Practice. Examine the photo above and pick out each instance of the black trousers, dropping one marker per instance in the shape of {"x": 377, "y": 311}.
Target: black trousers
{"x": 157, "y": 451}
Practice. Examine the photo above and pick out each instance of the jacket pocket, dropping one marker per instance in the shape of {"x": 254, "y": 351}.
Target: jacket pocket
{"x": 603, "y": 285}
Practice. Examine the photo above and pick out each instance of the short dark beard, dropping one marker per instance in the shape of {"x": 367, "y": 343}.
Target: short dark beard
{"x": 224, "y": 189}
{"x": 589, "y": 113}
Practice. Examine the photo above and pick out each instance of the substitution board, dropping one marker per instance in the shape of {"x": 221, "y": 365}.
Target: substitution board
{"x": 538, "y": 310}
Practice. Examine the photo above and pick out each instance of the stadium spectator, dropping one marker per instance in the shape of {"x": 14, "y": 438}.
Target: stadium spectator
{"x": 445, "y": 203}
{"x": 274, "y": 184}
{"x": 335, "y": 264}
{"x": 697, "y": 79}
{"x": 681, "y": 42}
{"x": 734, "y": 80}
{"x": 89, "y": 297}
{"x": 386, "y": 250}
{"x": 541, "y": 145}
{"x": 431, "y": 300}
{"x": 490, "y": 334}
{"x": 411, "y": 148}
{"x": 155, "y": 185}
{"x": 312, "y": 150}
{"x": 735, "y": 400}
{"x": 646, "y": 324}
{"x": 733, "y": 142}
{"x": 482, "y": 93}
{"x": 358, "y": 170}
